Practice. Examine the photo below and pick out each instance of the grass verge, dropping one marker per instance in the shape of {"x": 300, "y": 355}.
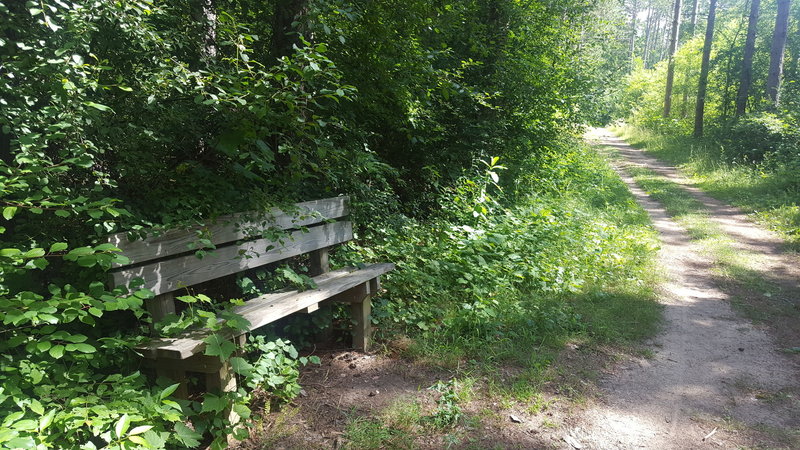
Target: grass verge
{"x": 752, "y": 293}
{"x": 765, "y": 194}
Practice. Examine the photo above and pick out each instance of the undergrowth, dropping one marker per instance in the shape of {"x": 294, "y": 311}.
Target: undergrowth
{"x": 764, "y": 189}
{"x": 512, "y": 284}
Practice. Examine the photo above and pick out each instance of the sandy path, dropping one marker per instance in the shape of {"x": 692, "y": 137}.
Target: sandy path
{"x": 711, "y": 369}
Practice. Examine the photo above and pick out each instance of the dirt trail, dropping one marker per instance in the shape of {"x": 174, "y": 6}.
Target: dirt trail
{"x": 711, "y": 370}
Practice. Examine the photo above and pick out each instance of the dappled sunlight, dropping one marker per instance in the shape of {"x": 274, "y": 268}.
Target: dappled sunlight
{"x": 703, "y": 351}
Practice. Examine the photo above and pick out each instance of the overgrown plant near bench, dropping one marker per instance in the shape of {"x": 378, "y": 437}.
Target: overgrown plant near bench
{"x": 166, "y": 265}
{"x": 70, "y": 375}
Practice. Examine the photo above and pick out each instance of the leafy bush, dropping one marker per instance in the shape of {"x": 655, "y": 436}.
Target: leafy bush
{"x": 753, "y": 137}
{"x": 508, "y": 275}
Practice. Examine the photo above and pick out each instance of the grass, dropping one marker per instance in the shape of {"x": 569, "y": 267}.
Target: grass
{"x": 564, "y": 281}
{"x": 405, "y": 420}
{"x": 754, "y": 296}
{"x": 767, "y": 195}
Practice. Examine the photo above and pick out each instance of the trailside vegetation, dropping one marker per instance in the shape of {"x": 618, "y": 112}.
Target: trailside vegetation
{"x": 450, "y": 124}
{"x": 737, "y": 97}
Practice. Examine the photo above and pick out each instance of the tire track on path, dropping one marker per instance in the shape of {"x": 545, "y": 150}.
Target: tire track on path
{"x": 711, "y": 370}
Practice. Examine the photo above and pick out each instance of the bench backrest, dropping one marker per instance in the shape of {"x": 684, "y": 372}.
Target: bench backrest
{"x": 167, "y": 262}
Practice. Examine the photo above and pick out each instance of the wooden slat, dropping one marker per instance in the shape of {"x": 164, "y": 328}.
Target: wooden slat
{"x": 268, "y": 308}
{"x": 229, "y": 229}
{"x": 184, "y": 271}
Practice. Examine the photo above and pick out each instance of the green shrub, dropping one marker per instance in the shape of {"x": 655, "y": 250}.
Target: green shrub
{"x": 754, "y": 137}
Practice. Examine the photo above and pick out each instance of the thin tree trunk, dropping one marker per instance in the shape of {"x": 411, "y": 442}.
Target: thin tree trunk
{"x": 726, "y": 95}
{"x": 647, "y": 33}
{"x": 694, "y": 15}
{"x": 673, "y": 46}
{"x": 776, "y": 52}
{"x": 284, "y": 35}
{"x": 655, "y": 39}
{"x": 747, "y": 60}
{"x": 702, "y": 85}
{"x": 632, "y": 46}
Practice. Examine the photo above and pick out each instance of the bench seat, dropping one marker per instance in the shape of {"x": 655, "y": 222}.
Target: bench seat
{"x": 270, "y": 307}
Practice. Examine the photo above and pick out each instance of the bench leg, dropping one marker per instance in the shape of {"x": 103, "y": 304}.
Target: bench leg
{"x": 159, "y": 307}
{"x": 362, "y": 323}
{"x": 224, "y": 380}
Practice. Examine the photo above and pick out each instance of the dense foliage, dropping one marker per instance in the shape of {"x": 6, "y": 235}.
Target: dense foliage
{"x": 121, "y": 115}
{"x": 750, "y": 158}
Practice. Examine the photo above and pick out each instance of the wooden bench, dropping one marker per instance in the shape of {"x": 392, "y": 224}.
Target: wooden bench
{"x": 166, "y": 265}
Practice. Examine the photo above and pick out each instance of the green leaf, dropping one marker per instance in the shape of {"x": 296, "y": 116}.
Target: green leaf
{"x": 216, "y": 345}
{"x": 213, "y": 403}
{"x": 85, "y": 348}
{"x": 57, "y": 351}
{"x": 168, "y": 391}
{"x": 34, "y": 253}
{"x": 62, "y": 213}
{"x": 25, "y": 425}
{"x": 187, "y": 436}
{"x": 76, "y": 338}
{"x": 9, "y": 211}
{"x": 122, "y": 425}
{"x": 46, "y": 420}
{"x": 140, "y": 429}
{"x": 58, "y": 246}
{"x": 241, "y": 366}
{"x": 139, "y": 440}
{"x": 97, "y": 106}
{"x": 87, "y": 261}
{"x": 76, "y": 252}
{"x": 37, "y": 407}
{"x": 106, "y": 248}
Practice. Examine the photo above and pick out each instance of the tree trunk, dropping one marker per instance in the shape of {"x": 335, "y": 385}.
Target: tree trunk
{"x": 632, "y": 46}
{"x": 673, "y": 46}
{"x": 694, "y": 15}
{"x": 284, "y": 35}
{"x": 776, "y": 52}
{"x": 205, "y": 12}
{"x": 746, "y": 79}
{"x": 648, "y": 33}
{"x": 702, "y": 85}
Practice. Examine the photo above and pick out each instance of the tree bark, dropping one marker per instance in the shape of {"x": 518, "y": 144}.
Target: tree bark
{"x": 694, "y": 15}
{"x": 746, "y": 79}
{"x": 673, "y": 46}
{"x": 702, "y": 85}
{"x": 648, "y": 33}
{"x": 777, "y": 51}
{"x": 284, "y": 34}
{"x": 632, "y": 49}
{"x": 205, "y": 12}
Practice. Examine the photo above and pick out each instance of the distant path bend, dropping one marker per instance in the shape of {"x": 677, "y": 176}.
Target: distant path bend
{"x": 712, "y": 370}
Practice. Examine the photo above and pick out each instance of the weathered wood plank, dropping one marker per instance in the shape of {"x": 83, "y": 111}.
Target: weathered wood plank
{"x": 361, "y": 315}
{"x": 269, "y": 308}
{"x": 230, "y": 229}
{"x": 167, "y": 276}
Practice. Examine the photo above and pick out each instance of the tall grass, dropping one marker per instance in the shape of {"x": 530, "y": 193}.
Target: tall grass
{"x": 771, "y": 196}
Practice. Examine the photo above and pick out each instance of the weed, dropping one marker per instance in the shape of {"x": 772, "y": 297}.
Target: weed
{"x": 448, "y": 412}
